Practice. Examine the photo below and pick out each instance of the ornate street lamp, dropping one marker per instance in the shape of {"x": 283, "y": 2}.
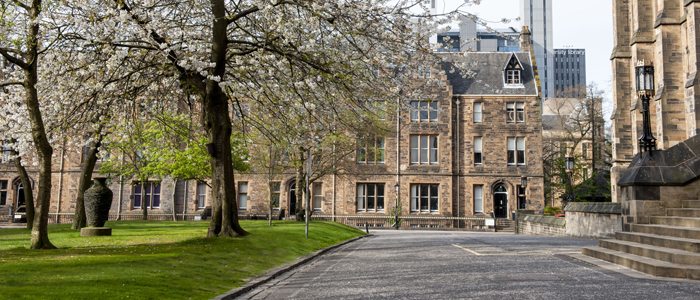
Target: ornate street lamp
{"x": 398, "y": 209}
{"x": 645, "y": 90}
{"x": 569, "y": 165}
{"x": 523, "y": 181}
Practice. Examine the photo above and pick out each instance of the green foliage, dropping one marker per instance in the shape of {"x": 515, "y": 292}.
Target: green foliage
{"x": 550, "y": 211}
{"x": 166, "y": 145}
{"x": 153, "y": 259}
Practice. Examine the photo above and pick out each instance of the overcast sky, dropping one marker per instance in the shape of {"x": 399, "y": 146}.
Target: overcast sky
{"x": 576, "y": 24}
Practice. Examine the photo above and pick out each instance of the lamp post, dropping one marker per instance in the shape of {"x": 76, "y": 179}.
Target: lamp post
{"x": 645, "y": 90}
{"x": 398, "y": 207}
{"x": 569, "y": 165}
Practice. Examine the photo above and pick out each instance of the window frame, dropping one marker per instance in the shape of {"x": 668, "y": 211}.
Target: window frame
{"x": 515, "y": 112}
{"x": 419, "y": 149}
{"x": 478, "y": 198}
{"x": 201, "y": 197}
{"x": 478, "y": 150}
{"x": 317, "y": 196}
{"x": 513, "y": 77}
{"x": 515, "y": 152}
{"x": 147, "y": 194}
{"x": 4, "y": 189}
{"x": 363, "y": 197}
{"x": 417, "y": 197}
{"x": 521, "y": 196}
{"x": 429, "y": 109}
{"x": 364, "y": 149}
{"x": 480, "y": 112}
{"x": 242, "y": 192}
{"x": 276, "y": 190}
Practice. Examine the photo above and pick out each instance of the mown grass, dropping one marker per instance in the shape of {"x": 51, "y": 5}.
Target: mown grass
{"x": 153, "y": 259}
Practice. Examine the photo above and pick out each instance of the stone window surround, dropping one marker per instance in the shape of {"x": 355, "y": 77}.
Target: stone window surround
{"x": 378, "y": 150}
{"x": 424, "y": 111}
{"x": 242, "y": 193}
{"x": 479, "y": 112}
{"x": 415, "y": 190}
{"x": 141, "y": 192}
{"x": 420, "y": 149}
{"x": 201, "y": 195}
{"x": 4, "y": 189}
{"x": 364, "y": 196}
{"x": 515, "y": 112}
{"x": 517, "y": 153}
{"x": 317, "y": 196}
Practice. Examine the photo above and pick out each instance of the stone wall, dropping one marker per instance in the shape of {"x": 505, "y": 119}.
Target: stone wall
{"x": 593, "y": 219}
{"x": 541, "y": 225}
{"x": 583, "y": 219}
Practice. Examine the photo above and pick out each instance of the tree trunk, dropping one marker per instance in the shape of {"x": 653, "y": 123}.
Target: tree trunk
{"x": 144, "y": 204}
{"x": 28, "y": 190}
{"x": 79, "y": 218}
{"x": 40, "y": 235}
{"x": 216, "y": 120}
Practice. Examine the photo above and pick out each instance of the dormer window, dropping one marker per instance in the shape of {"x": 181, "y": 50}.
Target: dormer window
{"x": 512, "y": 72}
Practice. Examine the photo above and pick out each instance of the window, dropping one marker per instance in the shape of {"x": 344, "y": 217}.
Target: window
{"x": 585, "y": 174}
{"x": 584, "y": 151}
{"x": 516, "y": 112}
{"x": 6, "y": 155}
{"x": 424, "y": 150}
{"x": 521, "y": 197}
{"x": 512, "y": 71}
{"x": 477, "y": 112}
{"x": 477, "y": 151}
{"x": 3, "y": 192}
{"x": 424, "y": 111}
{"x": 478, "y": 198}
{"x": 513, "y": 77}
{"x": 370, "y": 151}
{"x": 424, "y": 197}
{"x": 516, "y": 150}
{"x": 201, "y": 195}
{"x": 147, "y": 194}
{"x": 275, "y": 198}
{"x": 370, "y": 197}
{"x": 242, "y": 195}
{"x": 318, "y": 196}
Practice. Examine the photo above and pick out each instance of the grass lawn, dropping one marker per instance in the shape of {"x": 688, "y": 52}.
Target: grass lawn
{"x": 153, "y": 259}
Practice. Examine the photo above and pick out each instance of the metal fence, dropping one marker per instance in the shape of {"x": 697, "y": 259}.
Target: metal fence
{"x": 359, "y": 221}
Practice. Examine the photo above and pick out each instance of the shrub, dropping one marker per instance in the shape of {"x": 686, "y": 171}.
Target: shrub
{"x": 550, "y": 211}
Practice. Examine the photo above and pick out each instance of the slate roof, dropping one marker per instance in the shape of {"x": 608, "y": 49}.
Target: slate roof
{"x": 551, "y": 122}
{"x": 487, "y": 68}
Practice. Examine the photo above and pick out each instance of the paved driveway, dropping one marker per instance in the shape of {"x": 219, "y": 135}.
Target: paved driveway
{"x": 462, "y": 265}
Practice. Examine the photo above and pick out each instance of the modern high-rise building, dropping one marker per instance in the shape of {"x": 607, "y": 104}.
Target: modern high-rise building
{"x": 537, "y": 15}
{"x": 569, "y": 71}
{"x": 469, "y": 37}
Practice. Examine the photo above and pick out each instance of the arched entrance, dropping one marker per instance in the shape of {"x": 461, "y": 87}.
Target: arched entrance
{"x": 18, "y": 199}
{"x": 292, "y": 198}
{"x": 500, "y": 201}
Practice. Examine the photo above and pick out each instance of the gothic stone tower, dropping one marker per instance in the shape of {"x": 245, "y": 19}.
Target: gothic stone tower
{"x": 663, "y": 32}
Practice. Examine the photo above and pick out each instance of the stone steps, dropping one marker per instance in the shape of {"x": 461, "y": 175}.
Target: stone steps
{"x": 676, "y": 221}
{"x": 684, "y": 244}
{"x": 644, "y": 264}
{"x": 666, "y": 230}
{"x": 654, "y": 252}
{"x": 683, "y": 212}
{"x": 691, "y": 204}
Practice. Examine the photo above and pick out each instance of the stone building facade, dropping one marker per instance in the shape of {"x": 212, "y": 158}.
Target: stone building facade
{"x": 663, "y": 32}
{"x": 461, "y": 154}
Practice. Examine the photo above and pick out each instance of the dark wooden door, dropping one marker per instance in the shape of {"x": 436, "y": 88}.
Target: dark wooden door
{"x": 292, "y": 199}
{"x": 500, "y": 205}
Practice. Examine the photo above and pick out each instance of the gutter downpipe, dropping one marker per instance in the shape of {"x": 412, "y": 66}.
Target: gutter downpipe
{"x": 459, "y": 162}
{"x": 398, "y": 156}
{"x": 60, "y": 182}
{"x": 184, "y": 201}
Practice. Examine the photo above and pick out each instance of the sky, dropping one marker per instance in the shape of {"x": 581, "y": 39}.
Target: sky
{"x": 576, "y": 24}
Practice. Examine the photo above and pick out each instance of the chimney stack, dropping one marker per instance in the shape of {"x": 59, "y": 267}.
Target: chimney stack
{"x": 525, "y": 39}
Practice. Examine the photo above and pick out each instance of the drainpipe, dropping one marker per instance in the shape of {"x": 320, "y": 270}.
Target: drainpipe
{"x": 184, "y": 200}
{"x": 458, "y": 162}
{"x": 333, "y": 213}
{"x": 60, "y": 181}
{"x": 398, "y": 139}
{"x": 121, "y": 195}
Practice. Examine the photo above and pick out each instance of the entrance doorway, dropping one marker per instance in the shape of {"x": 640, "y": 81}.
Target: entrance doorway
{"x": 292, "y": 199}
{"x": 500, "y": 202}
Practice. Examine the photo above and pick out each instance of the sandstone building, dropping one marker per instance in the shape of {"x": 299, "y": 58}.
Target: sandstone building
{"x": 464, "y": 153}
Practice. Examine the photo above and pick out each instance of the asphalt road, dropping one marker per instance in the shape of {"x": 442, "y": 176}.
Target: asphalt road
{"x": 462, "y": 265}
